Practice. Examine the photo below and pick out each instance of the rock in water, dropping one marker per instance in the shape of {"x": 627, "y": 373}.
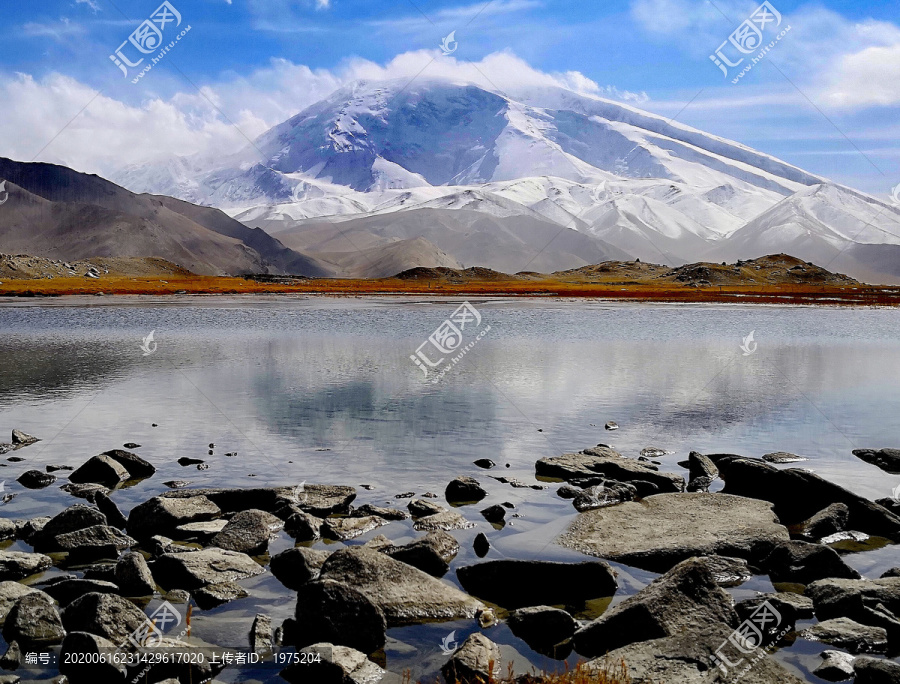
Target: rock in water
{"x": 666, "y": 528}
{"x": 477, "y": 660}
{"x": 849, "y": 634}
{"x": 783, "y": 457}
{"x": 611, "y": 426}
{"x": 518, "y": 583}
{"x": 261, "y": 635}
{"x": 886, "y": 459}
{"x": 16, "y": 565}
{"x": 609, "y": 493}
{"x": 35, "y": 479}
{"x": 481, "y": 545}
{"x": 654, "y": 452}
{"x": 542, "y": 626}
{"x": 684, "y": 599}
{"x": 101, "y": 470}
{"x": 826, "y": 522}
{"x": 804, "y": 562}
{"x": 106, "y": 615}
{"x": 295, "y": 567}
{"x": 33, "y": 622}
{"x": 137, "y": 467}
{"x": 161, "y": 515}
{"x": 248, "y": 532}
{"x": 464, "y": 489}
{"x": 404, "y": 593}
{"x": 214, "y": 595}
{"x": 333, "y": 664}
{"x": 875, "y": 671}
{"x": 196, "y": 569}
{"x": 133, "y": 575}
{"x": 609, "y": 464}
{"x": 113, "y": 515}
{"x": 21, "y": 439}
{"x": 339, "y": 613}
{"x": 485, "y": 463}
{"x": 86, "y": 657}
{"x": 836, "y": 666}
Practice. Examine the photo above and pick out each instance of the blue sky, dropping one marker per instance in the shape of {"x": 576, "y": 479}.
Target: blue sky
{"x": 825, "y": 98}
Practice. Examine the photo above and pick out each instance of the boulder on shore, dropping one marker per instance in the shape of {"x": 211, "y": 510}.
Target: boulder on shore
{"x": 162, "y": 515}
{"x": 476, "y": 661}
{"x": 295, "y": 567}
{"x": 196, "y": 569}
{"x": 686, "y": 598}
{"x": 661, "y": 530}
{"x": 519, "y": 583}
{"x": 339, "y": 614}
{"x": 610, "y": 464}
{"x": 33, "y": 622}
{"x": 848, "y": 634}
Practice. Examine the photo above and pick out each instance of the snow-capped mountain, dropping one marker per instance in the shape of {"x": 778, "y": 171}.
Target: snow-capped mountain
{"x": 628, "y": 182}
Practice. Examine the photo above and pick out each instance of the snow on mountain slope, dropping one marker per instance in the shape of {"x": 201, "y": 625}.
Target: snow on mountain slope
{"x": 637, "y": 181}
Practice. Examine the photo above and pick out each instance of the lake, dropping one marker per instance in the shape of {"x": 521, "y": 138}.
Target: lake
{"x": 323, "y": 389}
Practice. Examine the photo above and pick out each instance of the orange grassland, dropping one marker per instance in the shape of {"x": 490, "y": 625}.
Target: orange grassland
{"x": 866, "y": 295}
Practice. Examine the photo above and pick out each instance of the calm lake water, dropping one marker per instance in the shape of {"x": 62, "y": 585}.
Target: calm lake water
{"x": 322, "y": 389}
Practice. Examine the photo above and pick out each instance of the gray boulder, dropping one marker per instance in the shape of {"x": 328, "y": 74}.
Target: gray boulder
{"x": 419, "y": 508}
{"x": 295, "y": 567}
{"x": 431, "y": 554}
{"x": 848, "y": 634}
{"x": 99, "y": 541}
{"x": 101, "y": 470}
{"x": 16, "y": 565}
{"x": 828, "y": 521}
{"x": 519, "y": 583}
{"x": 196, "y": 569}
{"x": 464, "y": 490}
{"x": 162, "y": 515}
{"x": 445, "y": 520}
{"x": 136, "y": 466}
{"x": 871, "y": 670}
{"x": 608, "y": 493}
{"x": 303, "y": 527}
{"x": 35, "y": 479}
{"x": 333, "y": 664}
{"x": 33, "y": 622}
{"x": 114, "y": 516}
{"x": 219, "y": 593}
{"x": 10, "y": 592}
{"x": 339, "y": 614}
{"x": 475, "y": 662}
{"x": 381, "y": 512}
{"x": 77, "y": 517}
{"x": 105, "y": 615}
{"x": 68, "y": 590}
{"x": 261, "y": 635}
{"x": 662, "y": 530}
{"x": 836, "y": 666}
{"x": 94, "y": 665}
{"x": 610, "y": 465}
{"x": 248, "y": 532}
{"x": 316, "y": 499}
{"x": 886, "y": 459}
{"x": 133, "y": 575}
{"x": 542, "y": 626}
{"x": 20, "y": 439}
{"x": 686, "y": 598}
{"x": 728, "y": 571}
{"x": 805, "y": 562}
{"x": 342, "y": 529}
{"x": 405, "y": 594}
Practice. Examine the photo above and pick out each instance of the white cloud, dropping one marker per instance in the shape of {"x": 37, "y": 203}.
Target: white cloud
{"x": 93, "y": 4}
{"x": 870, "y": 77}
{"x": 111, "y": 133}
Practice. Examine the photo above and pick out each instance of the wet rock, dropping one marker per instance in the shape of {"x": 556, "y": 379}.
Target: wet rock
{"x": 33, "y": 622}
{"x": 893, "y": 572}
{"x": 87, "y": 490}
{"x": 783, "y": 457}
{"x": 702, "y": 472}
{"x": 542, "y": 626}
{"x": 654, "y": 452}
{"x": 316, "y": 499}
{"x": 97, "y": 652}
{"x": 663, "y": 529}
{"x": 886, "y": 459}
{"x": 609, "y": 464}
{"x": 217, "y": 594}
{"x": 687, "y": 658}
{"x": 567, "y": 491}
{"x": 611, "y": 425}
{"x": 185, "y": 461}
{"x": 70, "y": 589}
{"x": 686, "y": 598}
{"x": 261, "y": 635}
{"x": 836, "y": 597}
{"x": 101, "y": 470}
{"x": 804, "y": 562}
{"x": 200, "y": 532}
{"x": 12, "y": 659}
{"x": 99, "y": 541}
{"x": 476, "y": 661}
{"x": 248, "y": 532}
{"x": 113, "y": 515}
{"x": 133, "y": 575}
{"x": 339, "y": 614}
{"x": 494, "y": 514}
{"x": 464, "y": 490}
{"x": 106, "y": 615}
{"x": 16, "y": 565}
{"x": 848, "y": 634}
{"x": 136, "y": 466}
{"x": 20, "y": 439}
{"x": 333, "y": 664}
{"x": 836, "y": 666}
{"x": 481, "y": 545}
{"x": 431, "y": 554}
{"x": 446, "y": 520}
{"x": 196, "y": 569}
{"x": 798, "y": 494}
{"x": 791, "y": 607}
{"x": 485, "y": 463}
{"x": 518, "y": 583}
{"x": 9, "y": 529}
{"x": 77, "y": 517}
{"x": 161, "y": 515}
{"x": 54, "y": 467}
{"x": 177, "y": 484}
{"x": 10, "y": 592}
{"x": 303, "y": 527}
{"x": 421, "y": 509}
{"x": 728, "y": 571}
{"x": 35, "y": 479}
{"x": 828, "y": 521}
{"x": 381, "y": 512}
{"x": 295, "y": 567}
{"x": 404, "y": 593}
{"x": 343, "y": 529}
{"x": 875, "y": 671}
{"x": 131, "y": 445}
{"x": 609, "y": 493}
